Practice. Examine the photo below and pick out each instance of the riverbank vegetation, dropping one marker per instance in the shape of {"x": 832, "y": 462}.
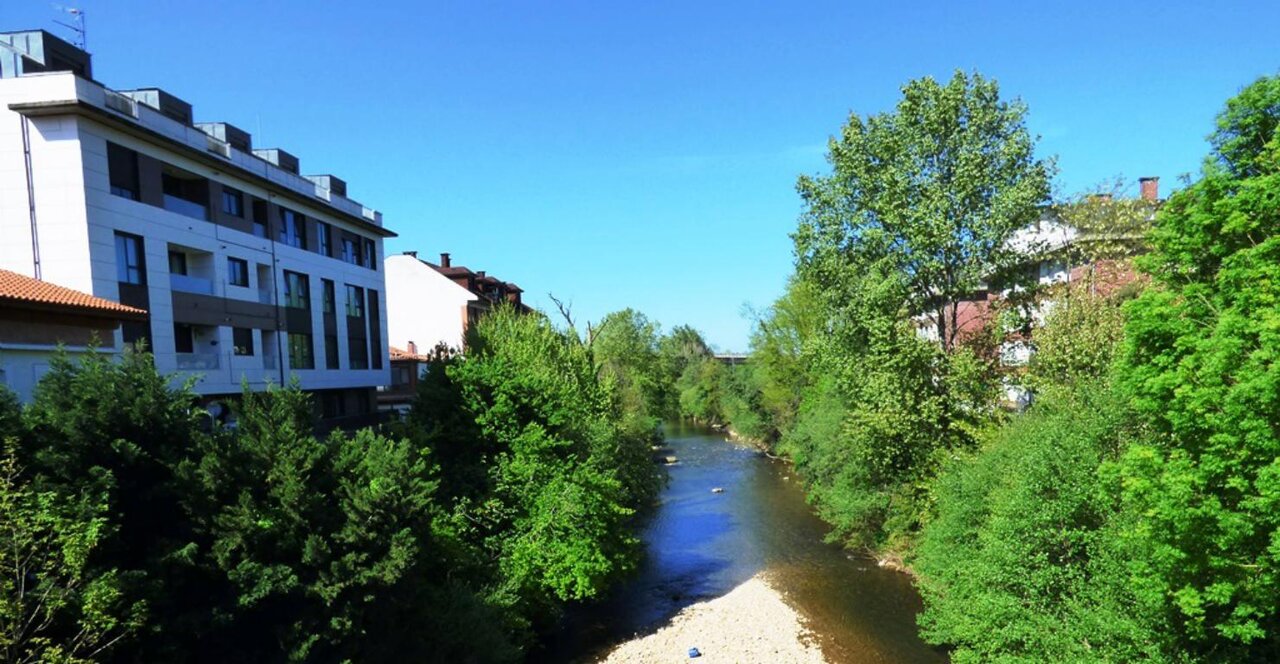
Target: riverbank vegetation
{"x": 1130, "y": 513}
{"x": 132, "y": 530}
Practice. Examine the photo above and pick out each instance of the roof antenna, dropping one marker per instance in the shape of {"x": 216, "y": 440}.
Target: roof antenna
{"x": 77, "y": 26}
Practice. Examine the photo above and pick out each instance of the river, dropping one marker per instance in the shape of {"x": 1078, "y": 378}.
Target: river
{"x": 700, "y": 545}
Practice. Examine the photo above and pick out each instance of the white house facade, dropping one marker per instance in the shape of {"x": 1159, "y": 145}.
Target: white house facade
{"x": 425, "y": 308}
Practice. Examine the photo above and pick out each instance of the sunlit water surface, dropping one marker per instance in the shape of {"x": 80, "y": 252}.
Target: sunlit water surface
{"x": 701, "y": 545}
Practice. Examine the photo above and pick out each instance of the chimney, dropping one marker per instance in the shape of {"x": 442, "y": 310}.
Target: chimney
{"x": 414, "y": 254}
{"x": 444, "y": 260}
{"x": 1150, "y": 187}
{"x": 1099, "y": 198}
{"x": 413, "y": 348}
{"x": 480, "y": 274}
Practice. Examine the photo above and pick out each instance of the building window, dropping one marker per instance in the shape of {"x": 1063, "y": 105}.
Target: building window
{"x": 122, "y": 168}
{"x": 238, "y": 272}
{"x": 375, "y": 343}
{"x": 330, "y": 300}
{"x": 185, "y": 193}
{"x": 400, "y": 376}
{"x": 129, "y": 262}
{"x": 296, "y": 291}
{"x": 331, "y": 351}
{"x": 136, "y": 331}
{"x": 332, "y": 404}
{"x": 357, "y": 353}
{"x": 324, "y": 236}
{"x": 242, "y": 339}
{"x": 177, "y": 262}
{"x": 260, "y": 218}
{"x": 300, "y": 356}
{"x": 349, "y": 252}
{"x": 183, "y": 338}
{"x": 355, "y": 302}
{"x": 293, "y": 230}
{"x": 232, "y": 202}
{"x": 369, "y": 261}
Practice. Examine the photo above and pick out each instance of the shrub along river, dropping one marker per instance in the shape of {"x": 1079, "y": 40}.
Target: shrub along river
{"x": 701, "y": 545}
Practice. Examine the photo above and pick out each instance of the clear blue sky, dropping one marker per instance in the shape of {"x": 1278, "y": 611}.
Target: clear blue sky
{"x": 644, "y": 154}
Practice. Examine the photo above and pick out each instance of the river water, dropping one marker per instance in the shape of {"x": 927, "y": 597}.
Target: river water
{"x": 700, "y": 545}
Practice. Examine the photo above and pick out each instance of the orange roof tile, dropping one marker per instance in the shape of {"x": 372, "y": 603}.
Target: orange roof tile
{"x": 21, "y": 289}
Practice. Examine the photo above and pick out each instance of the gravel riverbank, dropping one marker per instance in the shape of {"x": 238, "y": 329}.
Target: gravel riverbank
{"x": 753, "y": 623}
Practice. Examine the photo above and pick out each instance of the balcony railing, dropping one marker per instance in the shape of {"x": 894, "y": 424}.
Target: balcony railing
{"x": 197, "y": 361}
{"x": 189, "y": 284}
{"x": 185, "y": 207}
{"x": 270, "y": 362}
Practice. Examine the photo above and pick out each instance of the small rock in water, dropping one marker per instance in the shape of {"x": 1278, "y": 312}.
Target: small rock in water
{"x": 718, "y": 489}
{"x": 670, "y": 460}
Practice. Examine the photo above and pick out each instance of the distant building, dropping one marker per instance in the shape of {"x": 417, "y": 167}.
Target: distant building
{"x": 251, "y": 271}
{"x": 407, "y": 367}
{"x": 38, "y": 318}
{"x": 432, "y": 304}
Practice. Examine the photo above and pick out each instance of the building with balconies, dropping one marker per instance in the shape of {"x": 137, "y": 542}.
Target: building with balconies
{"x": 251, "y": 272}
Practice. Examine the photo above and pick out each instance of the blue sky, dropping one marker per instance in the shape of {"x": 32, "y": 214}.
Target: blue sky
{"x": 645, "y": 154}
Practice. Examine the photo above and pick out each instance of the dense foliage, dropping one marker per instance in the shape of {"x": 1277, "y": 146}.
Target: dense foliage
{"x": 1200, "y": 366}
{"x": 135, "y": 529}
{"x": 1131, "y": 513}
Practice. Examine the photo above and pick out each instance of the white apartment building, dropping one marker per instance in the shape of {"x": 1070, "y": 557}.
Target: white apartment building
{"x": 251, "y": 272}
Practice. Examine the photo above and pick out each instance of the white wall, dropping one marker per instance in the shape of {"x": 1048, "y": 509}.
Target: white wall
{"x": 423, "y": 306}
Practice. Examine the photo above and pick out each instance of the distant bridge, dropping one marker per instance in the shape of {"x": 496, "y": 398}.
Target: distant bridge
{"x": 732, "y": 358}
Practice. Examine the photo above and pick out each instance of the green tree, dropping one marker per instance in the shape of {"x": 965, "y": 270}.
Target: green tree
{"x": 1200, "y": 366}
{"x": 320, "y": 541}
{"x": 554, "y": 478}
{"x": 54, "y": 607}
{"x": 1079, "y": 340}
{"x": 939, "y": 187}
{"x": 1024, "y": 560}
{"x": 625, "y": 347}
{"x": 781, "y": 345}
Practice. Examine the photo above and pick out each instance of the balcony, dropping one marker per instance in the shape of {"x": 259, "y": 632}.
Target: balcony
{"x": 271, "y": 362}
{"x": 197, "y": 361}
{"x": 188, "y": 284}
{"x": 186, "y": 208}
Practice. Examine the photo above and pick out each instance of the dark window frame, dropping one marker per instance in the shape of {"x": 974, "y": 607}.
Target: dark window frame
{"x": 301, "y": 355}
{"x": 303, "y": 298}
{"x": 242, "y": 341}
{"x": 232, "y": 202}
{"x": 293, "y": 228}
{"x": 125, "y": 267}
{"x": 122, "y": 172}
{"x": 237, "y": 267}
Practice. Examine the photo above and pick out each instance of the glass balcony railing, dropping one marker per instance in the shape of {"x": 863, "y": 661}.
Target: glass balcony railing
{"x": 185, "y": 207}
{"x": 189, "y": 284}
{"x": 270, "y": 362}
{"x": 197, "y": 361}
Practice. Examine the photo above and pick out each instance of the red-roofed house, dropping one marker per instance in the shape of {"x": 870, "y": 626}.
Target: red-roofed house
{"x": 37, "y": 317}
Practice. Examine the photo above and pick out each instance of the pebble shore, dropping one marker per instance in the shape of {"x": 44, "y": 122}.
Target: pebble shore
{"x": 753, "y": 623}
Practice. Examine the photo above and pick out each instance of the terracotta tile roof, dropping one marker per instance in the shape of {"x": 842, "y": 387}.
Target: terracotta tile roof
{"x": 23, "y": 290}
{"x": 398, "y": 354}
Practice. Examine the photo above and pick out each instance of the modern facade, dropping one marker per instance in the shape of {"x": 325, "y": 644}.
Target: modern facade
{"x": 39, "y": 319}
{"x": 252, "y": 272}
